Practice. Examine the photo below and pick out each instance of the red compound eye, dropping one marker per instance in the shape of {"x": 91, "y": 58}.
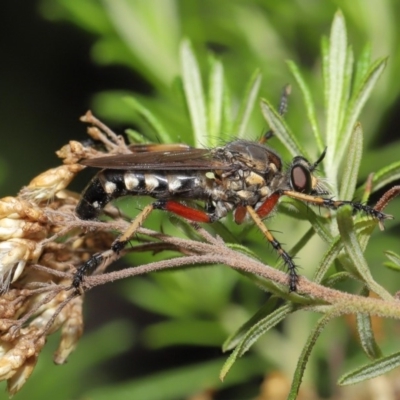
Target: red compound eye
{"x": 300, "y": 178}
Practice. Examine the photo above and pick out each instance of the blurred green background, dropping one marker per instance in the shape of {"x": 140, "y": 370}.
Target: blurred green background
{"x": 160, "y": 338}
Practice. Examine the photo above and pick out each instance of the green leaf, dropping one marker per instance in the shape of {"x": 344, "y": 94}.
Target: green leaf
{"x": 352, "y": 165}
{"x": 135, "y": 136}
{"x": 362, "y": 65}
{"x": 240, "y": 126}
{"x": 298, "y": 210}
{"x": 176, "y": 383}
{"x": 150, "y": 296}
{"x": 357, "y": 102}
{"x": 394, "y": 262}
{"x": 392, "y": 266}
{"x": 325, "y": 70}
{"x": 281, "y": 130}
{"x": 372, "y": 370}
{"x": 243, "y": 249}
{"x": 253, "y": 334}
{"x": 366, "y": 335}
{"x": 353, "y": 248}
{"x": 392, "y": 256}
{"x": 235, "y": 338}
{"x": 227, "y": 120}
{"x": 151, "y": 119}
{"x": 334, "y": 88}
{"x": 93, "y": 350}
{"x": 365, "y": 332}
{"x": 215, "y": 102}
{"x": 383, "y": 177}
{"x": 336, "y": 278}
{"x": 311, "y": 113}
{"x": 327, "y": 260}
{"x": 305, "y": 354}
{"x": 194, "y": 94}
{"x": 141, "y": 27}
{"x": 348, "y": 75}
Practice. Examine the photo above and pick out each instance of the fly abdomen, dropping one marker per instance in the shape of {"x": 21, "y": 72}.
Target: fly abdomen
{"x": 111, "y": 184}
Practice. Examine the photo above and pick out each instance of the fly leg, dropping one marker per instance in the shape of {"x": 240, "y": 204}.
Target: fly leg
{"x": 257, "y": 216}
{"x": 120, "y": 243}
{"x": 293, "y": 275}
{"x": 335, "y": 204}
{"x": 97, "y": 259}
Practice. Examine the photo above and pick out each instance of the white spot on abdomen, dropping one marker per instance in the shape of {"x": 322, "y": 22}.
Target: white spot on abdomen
{"x": 109, "y": 187}
{"x": 131, "y": 181}
{"x": 174, "y": 183}
{"x": 151, "y": 182}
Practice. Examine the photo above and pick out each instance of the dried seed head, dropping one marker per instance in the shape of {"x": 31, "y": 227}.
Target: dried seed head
{"x": 47, "y": 184}
{"x": 13, "y": 207}
{"x": 71, "y": 330}
{"x": 21, "y": 375}
{"x": 74, "y": 151}
{"x": 17, "y": 228}
{"x": 16, "y": 352}
{"x": 14, "y": 254}
{"x": 35, "y": 267}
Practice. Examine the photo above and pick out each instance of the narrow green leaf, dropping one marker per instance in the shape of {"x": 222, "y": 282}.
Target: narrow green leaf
{"x": 247, "y": 105}
{"x": 194, "y": 94}
{"x": 310, "y": 107}
{"x": 362, "y": 65}
{"x": 141, "y": 26}
{"x": 151, "y": 119}
{"x": 253, "y": 334}
{"x": 215, "y": 102}
{"x": 281, "y": 130}
{"x": 243, "y": 249}
{"x": 348, "y": 76}
{"x": 305, "y": 354}
{"x": 394, "y": 262}
{"x": 383, "y": 177}
{"x": 227, "y": 120}
{"x": 298, "y": 210}
{"x": 367, "y": 338}
{"x": 300, "y": 243}
{"x": 334, "y": 86}
{"x": 177, "y": 383}
{"x": 234, "y": 339}
{"x": 135, "y": 136}
{"x": 372, "y": 370}
{"x": 325, "y": 69}
{"x": 150, "y": 296}
{"x": 393, "y": 257}
{"x": 352, "y": 165}
{"x": 392, "y": 266}
{"x": 336, "y": 278}
{"x": 327, "y": 260}
{"x": 346, "y": 229}
{"x": 356, "y": 104}
{"x": 365, "y": 332}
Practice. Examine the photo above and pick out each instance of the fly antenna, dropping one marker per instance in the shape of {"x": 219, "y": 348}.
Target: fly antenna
{"x": 320, "y": 158}
{"x": 282, "y": 109}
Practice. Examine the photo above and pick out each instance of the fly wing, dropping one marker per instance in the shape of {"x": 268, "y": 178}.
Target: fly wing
{"x": 183, "y": 159}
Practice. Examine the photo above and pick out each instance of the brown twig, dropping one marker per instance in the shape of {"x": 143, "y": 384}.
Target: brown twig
{"x": 218, "y": 253}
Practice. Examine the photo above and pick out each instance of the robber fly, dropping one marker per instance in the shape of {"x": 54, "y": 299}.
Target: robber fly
{"x": 243, "y": 177}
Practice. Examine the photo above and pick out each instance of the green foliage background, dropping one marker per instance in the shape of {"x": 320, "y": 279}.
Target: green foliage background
{"x": 200, "y": 308}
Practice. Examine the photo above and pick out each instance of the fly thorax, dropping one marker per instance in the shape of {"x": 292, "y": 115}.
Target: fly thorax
{"x": 254, "y": 180}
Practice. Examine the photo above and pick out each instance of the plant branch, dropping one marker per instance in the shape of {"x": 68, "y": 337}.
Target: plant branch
{"x": 218, "y": 253}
